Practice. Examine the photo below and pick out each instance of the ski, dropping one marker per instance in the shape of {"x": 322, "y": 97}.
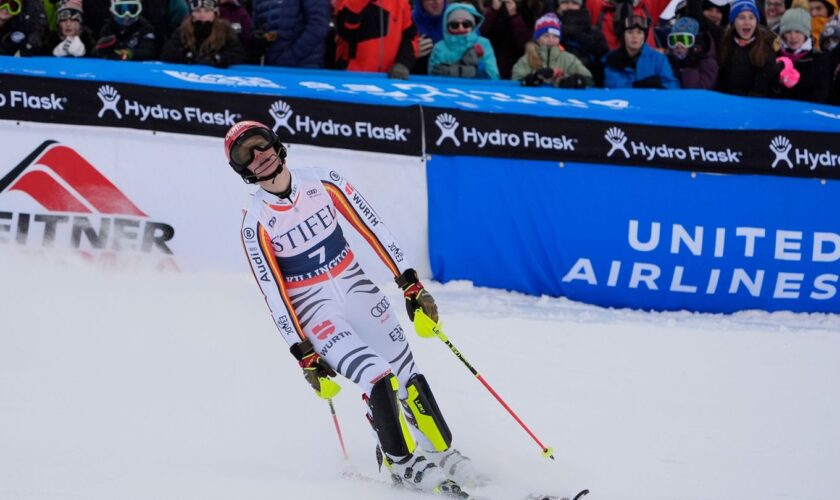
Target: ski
{"x": 358, "y": 476}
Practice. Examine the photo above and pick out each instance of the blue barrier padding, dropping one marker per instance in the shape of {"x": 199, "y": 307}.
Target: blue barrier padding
{"x": 693, "y": 108}
{"x": 540, "y": 228}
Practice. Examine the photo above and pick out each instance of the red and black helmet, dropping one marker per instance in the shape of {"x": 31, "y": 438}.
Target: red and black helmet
{"x": 239, "y": 156}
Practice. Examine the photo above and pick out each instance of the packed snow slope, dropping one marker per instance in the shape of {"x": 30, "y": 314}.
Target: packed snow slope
{"x": 176, "y": 386}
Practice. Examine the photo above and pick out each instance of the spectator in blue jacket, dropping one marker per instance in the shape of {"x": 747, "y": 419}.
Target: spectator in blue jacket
{"x": 428, "y": 19}
{"x": 463, "y": 53}
{"x": 294, "y": 30}
{"x": 634, "y": 64}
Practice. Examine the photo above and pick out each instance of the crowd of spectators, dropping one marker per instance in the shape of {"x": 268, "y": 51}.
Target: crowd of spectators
{"x": 766, "y": 48}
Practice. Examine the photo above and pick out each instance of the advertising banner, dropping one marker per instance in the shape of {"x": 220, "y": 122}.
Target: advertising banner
{"x": 126, "y": 199}
{"x": 636, "y": 237}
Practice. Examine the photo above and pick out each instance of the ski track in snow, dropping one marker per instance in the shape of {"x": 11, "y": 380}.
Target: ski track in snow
{"x": 150, "y": 386}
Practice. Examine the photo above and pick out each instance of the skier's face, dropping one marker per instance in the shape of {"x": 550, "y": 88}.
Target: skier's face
{"x": 264, "y": 162}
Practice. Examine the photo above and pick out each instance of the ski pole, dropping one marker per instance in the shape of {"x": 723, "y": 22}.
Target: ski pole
{"x": 426, "y": 327}
{"x": 338, "y": 429}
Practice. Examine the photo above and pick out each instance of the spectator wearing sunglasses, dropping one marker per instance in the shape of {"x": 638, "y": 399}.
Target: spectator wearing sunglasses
{"x": 814, "y": 70}
{"x": 204, "y": 38}
{"x": 127, "y": 36}
{"x": 747, "y": 60}
{"x": 508, "y": 25}
{"x": 463, "y": 53}
{"x": 546, "y": 62}
{"x": 71, "y": 38}
{"x": 635, "y": 64}
{"x": 23, "y": 27}
{"x": 691, "y": 53}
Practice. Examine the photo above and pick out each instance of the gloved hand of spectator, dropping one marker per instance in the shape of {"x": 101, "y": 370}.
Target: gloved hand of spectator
{"x": 124, "y": 54}
{"x": 788, "y": 74}
{"x": 473, "y": 56}
{"x": 13, "y": 42}
{"x": 262, "y": 39}
{"x": 216, "y": 60}
{"x": 538, "y": 77}
{"x": 76, "y": 48}
{"x": 398, "y": 71}
{"x": 574, "y": 82}
{"x": 651, "y": 82}
{"x": 106, "y": 42}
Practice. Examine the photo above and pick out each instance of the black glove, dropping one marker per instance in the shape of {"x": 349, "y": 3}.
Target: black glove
{"x": 398, "y": 71}
{"x": 260, "y": 40}
{"x": 574, "y": 82}
{"x": 454, "y": 70}
{"x": 13, "y": 42}
{"x": 313, "y": 366}
{"x": 651, "y": 82}
{"x": 416, "y": 296}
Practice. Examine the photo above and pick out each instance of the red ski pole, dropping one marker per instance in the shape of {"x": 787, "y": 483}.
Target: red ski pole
{"x": 426, "y": 327}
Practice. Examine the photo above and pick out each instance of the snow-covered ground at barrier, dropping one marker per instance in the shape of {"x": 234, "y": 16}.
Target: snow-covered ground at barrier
{"x": 176, "y": 386}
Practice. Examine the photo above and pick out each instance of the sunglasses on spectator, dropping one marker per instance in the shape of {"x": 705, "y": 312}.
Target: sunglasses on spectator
{"x": 127, "y": 9}
{"x": 454, "y": 25}
{"x": 635, "y": 22}
{"x": 684, "y": 39}
{"x": 69, "y": 15}
{"x": 13, "y": 7}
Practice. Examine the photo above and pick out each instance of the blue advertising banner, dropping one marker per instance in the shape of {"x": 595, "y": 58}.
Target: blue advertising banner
{"x": 636, "y": 237}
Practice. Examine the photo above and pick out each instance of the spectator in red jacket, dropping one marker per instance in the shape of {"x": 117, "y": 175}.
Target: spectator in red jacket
{"x": 365, "y": 42}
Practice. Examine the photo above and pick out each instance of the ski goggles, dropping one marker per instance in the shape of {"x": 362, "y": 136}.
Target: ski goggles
{"x": 13, "y": 7}
{"x": 640, "y": 22}
{"x": 677, "y": 39}
{"x": 241, "y": 155}
{"x": 68, "y": 15}
{"x": 204, "y": 4}
{"x": 125, "y": 10}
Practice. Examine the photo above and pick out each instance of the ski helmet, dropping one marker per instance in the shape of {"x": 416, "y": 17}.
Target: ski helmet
{"x": 240, "y": 156}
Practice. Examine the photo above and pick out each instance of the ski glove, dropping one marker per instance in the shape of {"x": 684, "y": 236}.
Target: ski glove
{"x": 316, "y": 371}
{"x": 651, "y": 82}
{"x": 416, "y": 296}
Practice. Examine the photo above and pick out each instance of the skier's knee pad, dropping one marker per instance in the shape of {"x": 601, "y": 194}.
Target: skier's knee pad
{"x": 425, "y": 414}
{"x": 387, "y": 419}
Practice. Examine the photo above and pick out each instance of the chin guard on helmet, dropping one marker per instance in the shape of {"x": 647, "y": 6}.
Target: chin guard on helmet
{"x": 243, "y": 139}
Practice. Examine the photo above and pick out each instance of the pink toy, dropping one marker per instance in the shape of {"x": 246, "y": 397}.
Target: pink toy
{"x": 789, "y": 76}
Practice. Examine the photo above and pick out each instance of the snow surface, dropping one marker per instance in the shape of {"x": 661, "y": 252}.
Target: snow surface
{"x": 152, "y": 386}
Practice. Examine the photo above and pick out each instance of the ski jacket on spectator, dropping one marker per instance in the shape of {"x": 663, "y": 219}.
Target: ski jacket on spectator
{"x": 556, "y": 58}
{"x": 26, "y": 32}
{"x": 623, "y": 71}
{"x": 300, "y": 25}
{"x": 834, "y": 74}
{"x": 452, "y": 48}
{"x": 427, "y": 24}
{"x": 136, "y": 42}
{"x": 366, "y": 42}
{"x": 584, "y": 41}
{"x": 699, "y": 70}
{"x": 737, "y": 75}
{"x": 604, "y": 18}
{"x": 164, "y": 15}
{"x": 185, "y": 46}
{"x": 815, "y": 74}
{"x": 508, "y": 35}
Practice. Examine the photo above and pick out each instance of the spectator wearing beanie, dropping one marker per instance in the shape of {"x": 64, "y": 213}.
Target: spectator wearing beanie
{"x": 71, "y": 37}
{"x": 127, "y": 36}
{"x": 23, "y": 28}
{"x": 821, "y": 12}
{"x": 428, "y": 19}
{"x": 830, "y": 44}
{"x": 634, "y": 64}
{"x": 363, "y": 45}
{"x": 507, "y": 27}
{"x": 580, "y": 38}
{"x": 463, "y": 53}
{"x": 546, "y": 62}
{"x": 204, "y": 38}
{"x": 814, "y": 82}
{"x": 746, "y": 57}
{"x": 691, "y": 53}
{"x": 297, "y": 30}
